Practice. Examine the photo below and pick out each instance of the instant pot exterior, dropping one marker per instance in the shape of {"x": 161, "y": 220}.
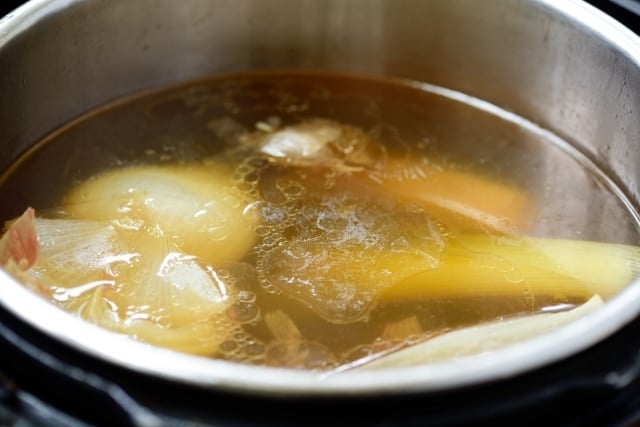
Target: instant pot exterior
{"x": 563, "y": 65}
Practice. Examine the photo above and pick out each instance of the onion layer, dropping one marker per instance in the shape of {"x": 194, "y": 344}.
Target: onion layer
{"x": 198, "y": 207}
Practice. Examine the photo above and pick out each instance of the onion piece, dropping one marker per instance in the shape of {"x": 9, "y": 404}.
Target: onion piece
{"x": 291, "y": 349}
{"x": 76, "y": 252}
{"x": 198, "y": 207}
{"x": 133, "y": 281}
{"x": 143, "y": 274}
{"x": 201, "y": 338}
{"x": 462, "y": 200}
{"x": 317, "y": 143}
{"x": 19, "y": 251}
{"x": 166, "y": 286}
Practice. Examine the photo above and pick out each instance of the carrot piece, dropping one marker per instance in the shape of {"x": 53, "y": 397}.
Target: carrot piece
{"x": 461, "y": 200}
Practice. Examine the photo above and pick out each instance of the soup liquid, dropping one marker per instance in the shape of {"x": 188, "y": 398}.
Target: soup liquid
{"x": 292, "y": 304}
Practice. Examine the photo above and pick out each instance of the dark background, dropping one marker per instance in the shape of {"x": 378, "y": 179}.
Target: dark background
{"x": 8, "y": 6}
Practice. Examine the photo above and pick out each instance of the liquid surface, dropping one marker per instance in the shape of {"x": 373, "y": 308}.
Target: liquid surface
{"x": 366, "y": 215}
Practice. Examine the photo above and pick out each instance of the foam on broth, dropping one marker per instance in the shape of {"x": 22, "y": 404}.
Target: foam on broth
{"x": 310, "y": 290}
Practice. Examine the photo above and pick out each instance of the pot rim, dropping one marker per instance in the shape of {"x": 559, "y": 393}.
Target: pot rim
{"x": 203, "y": 372}
{"x": 199, "y": 371}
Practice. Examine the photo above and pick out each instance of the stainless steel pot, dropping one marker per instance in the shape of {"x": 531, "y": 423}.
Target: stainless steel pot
{"x": 562, "y": 64}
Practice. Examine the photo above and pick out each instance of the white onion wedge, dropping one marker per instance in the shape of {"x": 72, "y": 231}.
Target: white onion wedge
{"x": 142, "y": 274}
{"x": 202, "y": 337}
{"x": 76, "y": 252}
{"x": 166, "y": 286}
{"x": 316, "y": 143}
{"x": 198, "y": 207}
{"x": 132, "y": 281}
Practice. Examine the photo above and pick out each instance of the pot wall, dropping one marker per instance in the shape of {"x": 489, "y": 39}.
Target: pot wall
{"x": 539, "y": 59}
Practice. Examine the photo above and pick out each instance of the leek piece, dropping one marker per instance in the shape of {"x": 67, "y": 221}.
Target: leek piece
{"x": 481, "y": 338}
{"x": 476, "y": 265}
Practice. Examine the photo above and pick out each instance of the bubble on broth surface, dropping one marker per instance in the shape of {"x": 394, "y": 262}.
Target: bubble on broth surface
{"x": 309, "y": 264}
{"x": 239, "y": 345}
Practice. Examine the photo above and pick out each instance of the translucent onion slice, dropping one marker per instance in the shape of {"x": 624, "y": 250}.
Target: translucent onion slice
{"x": 308, "y": 140}
{"x": 166, "y": 286}
{"x": 19, "y": 251}
{"x": 76, "y": 252}
{"x": 147, "y": 277}
{"x": 201, "y": 338}
{"x": 198, "y": 207}
{"x": 133, "y": 281}
{"x": 481, "y": 338}
{"x": 402, "y": 328}
{"x": 282, "y": 326}
{"x": 462, "y": 200}
{"x": 316, "y": 142}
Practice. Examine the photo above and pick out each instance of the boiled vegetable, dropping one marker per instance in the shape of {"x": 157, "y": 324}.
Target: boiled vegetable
{"x": 132, "y": 281}
{"x": 197, "y": 207}
{"x": 491, "y": 266}
{"x": 463, "y": 201}
{"x": 481, "y": 338}
{"x": 341, "y": 280}
{"x": 316, "y": 143}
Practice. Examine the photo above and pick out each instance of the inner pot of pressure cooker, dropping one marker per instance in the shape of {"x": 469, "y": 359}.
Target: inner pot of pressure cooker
{"x": 322, "y": 202}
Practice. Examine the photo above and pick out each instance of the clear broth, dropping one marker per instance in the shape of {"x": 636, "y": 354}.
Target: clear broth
{"x": 200, "y": 120}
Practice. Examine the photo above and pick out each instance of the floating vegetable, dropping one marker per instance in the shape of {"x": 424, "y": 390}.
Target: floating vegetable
{"x": 364, "y": 258}
{"x": 134, "y": 281}
{"x": 316, "y": 143}
{"x": 479, "y": 339}
{"x": 19, "y": 250}
{"x": 197, "y": 207}
{"x": 462, "y": 200}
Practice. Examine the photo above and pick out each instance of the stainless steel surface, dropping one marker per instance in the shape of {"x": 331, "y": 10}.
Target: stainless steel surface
{"x": 561, "y": 64}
